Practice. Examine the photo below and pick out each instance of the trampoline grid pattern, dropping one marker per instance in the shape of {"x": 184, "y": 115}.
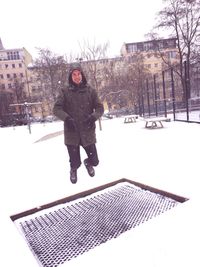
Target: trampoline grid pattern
{"x": 69, "y": 230}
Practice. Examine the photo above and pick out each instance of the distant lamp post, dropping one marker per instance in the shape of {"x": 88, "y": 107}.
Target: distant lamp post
{"x": 26, "y": 105}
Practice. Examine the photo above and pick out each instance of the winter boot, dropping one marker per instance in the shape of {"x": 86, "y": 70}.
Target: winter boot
{"x": 73, "y": 176}
{"x": 89, "y": 168}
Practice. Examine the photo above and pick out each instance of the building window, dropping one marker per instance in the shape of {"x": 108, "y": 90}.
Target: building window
{"x": 172, "y": 54}
{"x": 14, "y": 75}
{"x": 9, "y": 85}
{"x": 12, "y": 55}
{"x": 156, "y": 65}
{"x": 131, "y": 48}
{"x": 3, "y": 86}
{"x": 160, "y": 45}
{"x": 8, "y": 76}
{"x": 140, "y": 47}
{"x": 148, "y": 46}
{"x": 21, "y": 75}
{"x": 1, "y": 76}
{"x": 171, "y": 43}
{"x": 20, "y": 65}
{"x": 6, "y": 66}
{"x": 13, "y": 66}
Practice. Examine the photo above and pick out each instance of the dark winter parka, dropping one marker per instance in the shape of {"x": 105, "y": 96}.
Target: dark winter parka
{"x": 78, "y": 102}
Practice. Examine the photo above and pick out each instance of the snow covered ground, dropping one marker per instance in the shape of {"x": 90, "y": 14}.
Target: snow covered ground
{"x": 35, "y": 173}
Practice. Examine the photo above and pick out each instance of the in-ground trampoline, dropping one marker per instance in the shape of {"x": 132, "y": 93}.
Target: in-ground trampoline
{"x": 60, "y": 231}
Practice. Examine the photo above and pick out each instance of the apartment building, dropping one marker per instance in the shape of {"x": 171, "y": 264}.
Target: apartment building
{"x": 157, "y": 54}
{"x": 14, "y": 66}
{"x": 14, "y": 77}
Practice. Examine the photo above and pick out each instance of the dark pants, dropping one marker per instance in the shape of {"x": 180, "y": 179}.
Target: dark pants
{"x": 75, "y": 157}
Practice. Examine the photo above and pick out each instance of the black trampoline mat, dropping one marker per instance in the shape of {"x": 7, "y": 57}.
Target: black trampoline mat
{"x": 66, "y": 231}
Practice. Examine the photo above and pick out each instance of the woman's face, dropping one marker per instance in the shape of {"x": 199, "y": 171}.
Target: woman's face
{"x": 76, "y": 76}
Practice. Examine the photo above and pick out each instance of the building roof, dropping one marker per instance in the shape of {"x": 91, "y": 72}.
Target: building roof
{"x": 1, "y": 45}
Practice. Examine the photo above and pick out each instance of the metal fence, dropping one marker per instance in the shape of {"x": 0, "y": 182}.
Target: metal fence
{"x": 166, "y": 94}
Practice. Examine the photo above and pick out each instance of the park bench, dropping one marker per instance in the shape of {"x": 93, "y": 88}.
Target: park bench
{"x": 130, "y": 118}
{"x": 156, "y": 122}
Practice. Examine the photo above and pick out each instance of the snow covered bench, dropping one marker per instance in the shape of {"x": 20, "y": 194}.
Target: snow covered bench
{"x": 155, "y": 122}
{"x": 130, "y": 118}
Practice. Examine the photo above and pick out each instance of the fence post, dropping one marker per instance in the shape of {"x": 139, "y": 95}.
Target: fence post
{"x": 173, "y": 92}
{"x": 186, "y": 89}
{"x": 155, "y": 94}
{"x": 143, "y": 110}
{"x": 148, "y": 101}
{"x": 164, "y": 93}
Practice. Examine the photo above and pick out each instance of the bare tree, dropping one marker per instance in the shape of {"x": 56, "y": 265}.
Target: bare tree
{"x": 93, "y": 55}
{"x": 4, "y": 104}
{"x": 124, "y": 78}
{"x": 112, "y": 90}
{"x": 50, "y": 70}
{"x": 18, "y": 88}
{"x": 182, "y": 19}
{"x": 117, "y": 80}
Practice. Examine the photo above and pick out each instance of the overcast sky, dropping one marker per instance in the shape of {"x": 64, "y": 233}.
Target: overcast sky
{"x": 61, "y": 25}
